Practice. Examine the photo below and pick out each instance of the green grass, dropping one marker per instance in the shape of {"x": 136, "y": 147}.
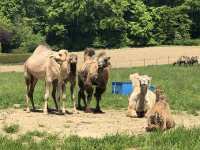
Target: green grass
{"x": 178, "y": 139}
{"x": 13, "y": 58}
{"x": 11, "y": 129}
{"x": 181, "y": 85}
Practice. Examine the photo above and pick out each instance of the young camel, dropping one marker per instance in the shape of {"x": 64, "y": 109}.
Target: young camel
{"x": 160, "y": 116}
{"x": 44, "y": 64}
{"x": 94, "y": 72}
{"x": 141, "y": 99}
{"x": 68, "y": 73}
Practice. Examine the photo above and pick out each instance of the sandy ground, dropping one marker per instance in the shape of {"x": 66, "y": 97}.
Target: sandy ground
{"x": 84, "y": 124}
{"x": 130, "y": 57}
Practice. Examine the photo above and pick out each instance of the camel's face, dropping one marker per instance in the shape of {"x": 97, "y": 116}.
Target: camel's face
{"x": 144, "y": 82}
{"x": 73, "y": 59}
{"x": 103, "y": 62}
{"x": 60, "y": 56}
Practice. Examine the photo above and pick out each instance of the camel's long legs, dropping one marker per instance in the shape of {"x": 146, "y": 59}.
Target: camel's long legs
{"x": 31, "y": 90}
{"x": 63, "y": 97}
{"x": 27, "y": 98}
{"x": 55, "y": 84}
{"x": 98, "y": 93}
{"x": 89, "y": 91}
{"x": 81, "y": 95}
{"x": 72, "y": 85}
{"x": 46, "y": 97}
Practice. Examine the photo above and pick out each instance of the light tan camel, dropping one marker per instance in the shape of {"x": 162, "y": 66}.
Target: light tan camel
{"x": 68, "y": 73}
{"x": 160, "y": 116}
{"x": 141, "y": 99}
{"x": 44, "y": 64}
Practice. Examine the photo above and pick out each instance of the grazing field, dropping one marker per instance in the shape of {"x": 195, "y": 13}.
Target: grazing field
{"x": 181, "y": 85}
{"x": 180, "y": 138}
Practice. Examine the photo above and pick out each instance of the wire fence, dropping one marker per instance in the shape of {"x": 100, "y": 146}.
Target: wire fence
{"x": 143, "y": 62}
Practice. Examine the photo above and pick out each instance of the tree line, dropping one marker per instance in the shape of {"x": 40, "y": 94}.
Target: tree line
{"x": 77, "y": 24}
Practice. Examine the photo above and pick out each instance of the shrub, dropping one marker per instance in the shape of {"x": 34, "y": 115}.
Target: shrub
{"x": 13, "y": 128}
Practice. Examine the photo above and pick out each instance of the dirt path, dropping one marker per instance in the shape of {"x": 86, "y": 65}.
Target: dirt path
{"x": 130, "y": 57}
{"x": 83, "y": 124}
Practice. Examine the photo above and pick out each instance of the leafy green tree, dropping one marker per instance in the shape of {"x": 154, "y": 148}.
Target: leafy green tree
{"x": 158, "y": 3}
{"x": 192, "y": 8}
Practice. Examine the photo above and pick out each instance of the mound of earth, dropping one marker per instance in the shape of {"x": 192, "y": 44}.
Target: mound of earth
{"x": 84, "y": 124}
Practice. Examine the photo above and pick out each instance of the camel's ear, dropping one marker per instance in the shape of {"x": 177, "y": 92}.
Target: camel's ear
{"x": 66, "y": 52}
{"x": 134, "y": 76}
{"x": 150, "y": 78}
{"x": 51, "y": 55}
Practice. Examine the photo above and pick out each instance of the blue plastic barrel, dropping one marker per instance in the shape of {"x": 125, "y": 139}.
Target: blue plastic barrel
{"x": 125, "y": 88}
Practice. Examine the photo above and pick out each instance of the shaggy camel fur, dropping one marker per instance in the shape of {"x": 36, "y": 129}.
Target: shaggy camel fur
{"x": 88, "y": 54}
{"x": 94, "y": 72}
{"x": 141, "y": 99}
{"x": 68, "y": 73}
{"x": 44, "y": 64}
{"x": 160, "y": 116}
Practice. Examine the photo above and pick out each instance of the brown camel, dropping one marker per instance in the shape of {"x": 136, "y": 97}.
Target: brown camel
{"x": 160, "y": 116}
{"x": 44, "y": 64}
{"x": 94, "y": 72}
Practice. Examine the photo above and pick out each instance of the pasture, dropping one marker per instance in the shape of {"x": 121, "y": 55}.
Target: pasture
{"x": 181, "y": 85}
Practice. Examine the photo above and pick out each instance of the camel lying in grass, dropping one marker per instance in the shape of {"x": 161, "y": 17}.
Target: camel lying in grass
{"x": 44, "y": 64}
{"x": 160, "y": 116}
{"x": 141, "y": 99}
{"x": 93, "y": 73}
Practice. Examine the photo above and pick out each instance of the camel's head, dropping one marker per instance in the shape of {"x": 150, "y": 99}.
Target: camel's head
{"x": 59, "y": 56}
{"x": 144, "y": 82}
{"x": 160, "y": 94}
{"x": 73, "y": 59}
{"x": 135, "y": 79}
{"x": 103, "y": 60}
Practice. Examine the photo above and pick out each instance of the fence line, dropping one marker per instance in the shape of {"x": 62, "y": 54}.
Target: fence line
{"x": 143, "y": 62}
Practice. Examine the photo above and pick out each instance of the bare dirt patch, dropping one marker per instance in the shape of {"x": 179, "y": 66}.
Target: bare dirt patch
{"x": 131, "y": 57}
{"x": 84, "y": 124}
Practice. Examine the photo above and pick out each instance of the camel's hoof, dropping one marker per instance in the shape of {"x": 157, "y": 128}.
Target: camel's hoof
{"x": 88, "y": 110}
{"x": 63, "y": 111}
{"x": 98, "y": 111}
{"x": 45, "y": 112}
{"x": 79, "y": 108}
{"x": 28, "y": 110}
{"x": 130, "y": 115}
{"x": 75, "y": 111}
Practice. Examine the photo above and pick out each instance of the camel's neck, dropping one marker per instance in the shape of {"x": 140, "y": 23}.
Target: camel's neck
{"x": 141, "y": 103}
{"x": 73, "y": 68}
{"x": 136, "y": 87}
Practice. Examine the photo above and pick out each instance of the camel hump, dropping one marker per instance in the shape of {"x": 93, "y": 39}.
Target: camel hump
{"x": 42, "y": 48}
{"x": 89, "y": 52}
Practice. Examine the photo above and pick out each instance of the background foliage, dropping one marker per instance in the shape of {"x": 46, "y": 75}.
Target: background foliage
{"x": 77, "y": 24}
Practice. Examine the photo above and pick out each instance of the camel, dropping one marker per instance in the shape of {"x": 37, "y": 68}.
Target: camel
{"x": 68, "y": 73}
{"x": 44, "y": 64}
{"x": 88, "y": 54}
{"x": 182, "y": 60}
{"x": 160, "y": 116}
{"x": 141, "y": 99}
{"x": 94, "y": 72}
